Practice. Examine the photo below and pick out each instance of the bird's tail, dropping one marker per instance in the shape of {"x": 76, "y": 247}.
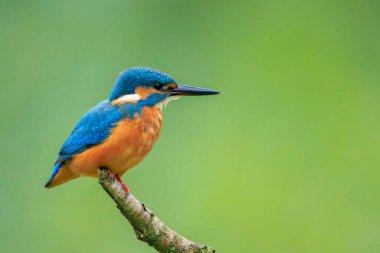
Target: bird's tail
{"x": 60, "y": 175}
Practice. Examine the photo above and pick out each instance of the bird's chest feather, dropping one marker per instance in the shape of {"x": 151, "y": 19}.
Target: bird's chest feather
{"x": 129, "y": 142}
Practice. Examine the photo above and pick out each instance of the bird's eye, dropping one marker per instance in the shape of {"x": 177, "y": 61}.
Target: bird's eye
{"x": 158, "y": 86}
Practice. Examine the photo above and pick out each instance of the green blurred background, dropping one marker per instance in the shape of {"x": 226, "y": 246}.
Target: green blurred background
{"x": 285, "y": 161}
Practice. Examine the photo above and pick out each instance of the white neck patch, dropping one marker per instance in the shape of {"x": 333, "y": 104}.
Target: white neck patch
{"x": 127, "y": 99}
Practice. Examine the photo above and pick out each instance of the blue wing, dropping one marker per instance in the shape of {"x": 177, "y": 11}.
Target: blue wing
{"x": 94, "y": 127}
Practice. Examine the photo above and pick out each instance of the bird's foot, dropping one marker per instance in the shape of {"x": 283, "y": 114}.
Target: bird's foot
{"x": 117, "y": 177}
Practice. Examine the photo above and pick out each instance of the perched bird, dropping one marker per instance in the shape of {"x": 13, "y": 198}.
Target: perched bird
{"x": 119, "y": 132}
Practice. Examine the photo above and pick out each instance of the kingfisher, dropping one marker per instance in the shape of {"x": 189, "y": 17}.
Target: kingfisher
{"x": 119, "y": 132}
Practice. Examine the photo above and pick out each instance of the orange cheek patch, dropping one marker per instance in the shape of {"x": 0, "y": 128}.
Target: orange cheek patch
{"x": 145, "y": 92}
{"x": 172, "y": 86}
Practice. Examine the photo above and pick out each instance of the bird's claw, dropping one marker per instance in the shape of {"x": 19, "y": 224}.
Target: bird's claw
{"x": 125, "y": 187}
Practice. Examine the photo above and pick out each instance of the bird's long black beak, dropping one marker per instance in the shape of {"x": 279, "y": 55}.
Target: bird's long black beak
{"x": 184, "y": 90}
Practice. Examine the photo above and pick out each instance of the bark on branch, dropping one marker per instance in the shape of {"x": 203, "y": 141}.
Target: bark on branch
{"x": 147, "y": 226}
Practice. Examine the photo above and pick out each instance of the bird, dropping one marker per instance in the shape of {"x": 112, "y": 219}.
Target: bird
{"x": 120, "y": 131}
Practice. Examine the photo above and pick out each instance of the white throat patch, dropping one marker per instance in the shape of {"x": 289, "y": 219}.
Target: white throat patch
{"x": 163, "y": 104}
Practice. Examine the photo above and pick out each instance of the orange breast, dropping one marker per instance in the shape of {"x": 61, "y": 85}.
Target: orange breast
{"x": 130, "y": 141}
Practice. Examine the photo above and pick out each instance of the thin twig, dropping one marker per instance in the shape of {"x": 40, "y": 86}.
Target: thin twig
{"x": 147, "y": 226}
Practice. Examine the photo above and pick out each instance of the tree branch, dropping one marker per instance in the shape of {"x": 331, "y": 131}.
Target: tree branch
{"x": 147, "y": 226}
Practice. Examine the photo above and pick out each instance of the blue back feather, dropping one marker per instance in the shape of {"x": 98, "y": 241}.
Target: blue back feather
{"x": 92, "y": 129}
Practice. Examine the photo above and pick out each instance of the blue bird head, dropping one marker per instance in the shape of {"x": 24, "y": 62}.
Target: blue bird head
{"x": 148, "y": 86}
